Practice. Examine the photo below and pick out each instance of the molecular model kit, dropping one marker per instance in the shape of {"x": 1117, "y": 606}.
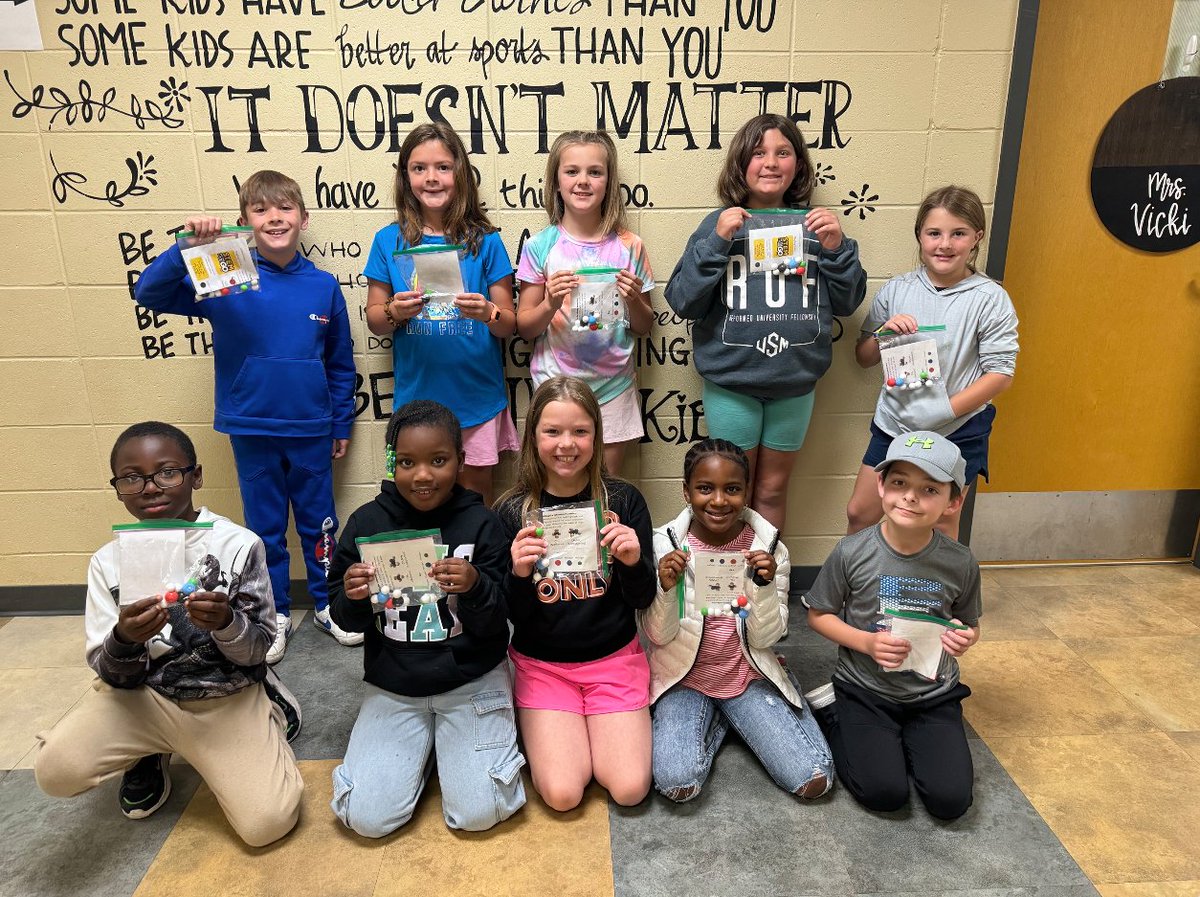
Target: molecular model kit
{"x": 220, "y": 266}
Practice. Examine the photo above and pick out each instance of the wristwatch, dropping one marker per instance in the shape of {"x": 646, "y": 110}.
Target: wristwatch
{"x": 495, "y": 314}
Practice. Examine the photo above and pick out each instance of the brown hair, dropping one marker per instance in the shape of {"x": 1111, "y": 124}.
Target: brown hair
{"x": 271, "y": 187}
{"x": 465, "y": 221}
{"x": 731, "y": 184}
{"x": 612, "y": 209}
{"x": 959, "y": 202}
{"x": 531, "y": 472}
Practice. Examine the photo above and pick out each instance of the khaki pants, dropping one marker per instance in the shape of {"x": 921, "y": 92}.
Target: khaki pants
{"x": 235, "y": 743}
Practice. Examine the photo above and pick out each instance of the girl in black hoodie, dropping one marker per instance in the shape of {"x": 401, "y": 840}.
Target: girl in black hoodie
{"x": 432, "y": 685}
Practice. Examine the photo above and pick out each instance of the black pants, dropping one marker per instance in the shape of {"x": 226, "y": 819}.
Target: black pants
{"x": 878, "y": 743}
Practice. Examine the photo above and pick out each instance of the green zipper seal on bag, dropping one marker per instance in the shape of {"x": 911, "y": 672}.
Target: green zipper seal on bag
{"x": 924, "y": 618}
{"x": 228, "y": 229}
{"x": 160, "y": 524}
{"x": 777, "y": 211}
{"x": 600, "y": 269}
{"x": 930, "y": 328}
{"x": 400, "y": 535}
{"x": 426, "y": 248}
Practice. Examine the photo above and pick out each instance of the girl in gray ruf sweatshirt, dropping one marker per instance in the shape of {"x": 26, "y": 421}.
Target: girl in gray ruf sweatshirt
{"x": 763, "y": 331}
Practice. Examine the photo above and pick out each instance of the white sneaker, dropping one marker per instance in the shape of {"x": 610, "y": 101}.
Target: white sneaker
{"x": 283, "y": 631}
{"x": 325, "y": 623}
{"x": 820, "y": 697}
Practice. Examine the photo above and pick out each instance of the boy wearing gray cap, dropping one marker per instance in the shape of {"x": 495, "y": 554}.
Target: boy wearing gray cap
{"x": 885, "y": 722}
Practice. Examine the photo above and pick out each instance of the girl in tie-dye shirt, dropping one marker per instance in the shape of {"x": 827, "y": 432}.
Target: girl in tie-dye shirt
{"x": 587, "y": 242}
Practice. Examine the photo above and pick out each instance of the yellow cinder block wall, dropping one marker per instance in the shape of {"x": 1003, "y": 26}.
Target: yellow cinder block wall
{"x": 911, "y": 96}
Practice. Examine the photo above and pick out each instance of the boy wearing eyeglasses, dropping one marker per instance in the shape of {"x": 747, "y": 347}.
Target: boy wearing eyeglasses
{"x": 188, "y": 678}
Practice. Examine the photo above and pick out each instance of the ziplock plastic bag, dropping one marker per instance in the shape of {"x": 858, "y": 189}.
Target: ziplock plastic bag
{"x": 437, "y": 276}
{"x": 153, "y": 557}
{"x": 596, "y": 303}
{"x": 910, "y": 360}
{"x": 220, "y": 266}
{"x": 572, "y": 534}
{"x": 403, "y": 562}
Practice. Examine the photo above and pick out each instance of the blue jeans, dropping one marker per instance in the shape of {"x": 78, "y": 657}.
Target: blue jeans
{"x": 471, "y": 729}
{"x": 689, "y": 727}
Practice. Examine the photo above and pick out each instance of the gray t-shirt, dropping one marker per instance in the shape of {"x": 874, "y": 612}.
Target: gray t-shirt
{"x": 864, "y": 576}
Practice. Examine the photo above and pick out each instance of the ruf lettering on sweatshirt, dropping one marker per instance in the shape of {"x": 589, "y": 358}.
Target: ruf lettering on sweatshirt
{"x": 774, "y": 293}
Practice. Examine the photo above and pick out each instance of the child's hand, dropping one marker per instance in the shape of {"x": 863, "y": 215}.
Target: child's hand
{"x": 957, "y": 641}
{"x": 629, "y": 285}
{"x": 559, "y": 286}
{"x": 455, "y": 575}
{"x": 358, "y": 580}
{"x": 340, "y": 446}
{"x": 826, "y": 226}
{"x": 887, "y": 650}
{"x": 729, "y": 221}
{"x": 140, "y": 621}
{"x": 474, "y": 306}
{"x": 204, "y": 228}
{"x": 526, "y": 549}
{"x": 405, "y": 305}
{"x": 209, "y": 610}
{"x": 761, "y": 563}
{"x": 671, "y": 568}
{"x": 900, "y": 324}
{"x": 622, "y": 542}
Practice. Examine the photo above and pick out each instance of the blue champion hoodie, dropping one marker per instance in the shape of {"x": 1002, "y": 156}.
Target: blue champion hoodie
{"x": 284, "y": 355}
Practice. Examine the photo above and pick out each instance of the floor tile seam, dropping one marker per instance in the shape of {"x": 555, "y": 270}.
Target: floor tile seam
{"x": 1154, "y": 726}
{"x": 1090, "y": 874}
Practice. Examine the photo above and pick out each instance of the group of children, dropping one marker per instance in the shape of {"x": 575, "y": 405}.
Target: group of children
{"x": 580, "y": 656}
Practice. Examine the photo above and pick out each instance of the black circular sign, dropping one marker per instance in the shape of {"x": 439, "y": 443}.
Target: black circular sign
{"x": 1146, "y": 171}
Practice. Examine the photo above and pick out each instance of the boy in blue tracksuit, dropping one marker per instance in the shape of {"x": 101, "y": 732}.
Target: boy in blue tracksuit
{"x": 284, "y": 384}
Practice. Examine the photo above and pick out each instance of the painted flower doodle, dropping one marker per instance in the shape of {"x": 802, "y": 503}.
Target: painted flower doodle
{"x": 87, "y": 108}
{"x": 172, "y": 94}
{"x": 859, "y": 201}
{"x": 141, "y": 174}
{"x": 824, "y": 173}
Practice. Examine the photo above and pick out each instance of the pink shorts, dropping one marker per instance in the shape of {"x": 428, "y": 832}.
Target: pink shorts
{"x": 612, "y": 684}
{"x": 622, "y": 417}
{"x": 483, "y": 443}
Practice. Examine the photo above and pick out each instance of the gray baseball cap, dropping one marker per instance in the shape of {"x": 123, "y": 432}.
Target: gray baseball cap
{"x": 934, "y": 454}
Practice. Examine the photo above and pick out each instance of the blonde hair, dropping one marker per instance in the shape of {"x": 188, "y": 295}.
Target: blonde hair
{"x": 612, "y": 208}
{"x": 270, "y": 187}
{"x": 531, "y": 472}
{"x": 465, "y": 221}
{"x": 731, "y": 184}
{"x": 960, "y": 202}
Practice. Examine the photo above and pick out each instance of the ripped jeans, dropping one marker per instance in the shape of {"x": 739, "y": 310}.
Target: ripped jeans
{"x": 471, "y": 732}
{"x": 689, "y": 727}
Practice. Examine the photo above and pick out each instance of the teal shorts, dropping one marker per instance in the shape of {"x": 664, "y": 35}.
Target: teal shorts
{"x": 747, "y": 422}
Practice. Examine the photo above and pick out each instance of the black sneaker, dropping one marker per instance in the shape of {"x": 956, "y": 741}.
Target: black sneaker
{"x": 146, "y": 786}
{"x": 278, "y": 694}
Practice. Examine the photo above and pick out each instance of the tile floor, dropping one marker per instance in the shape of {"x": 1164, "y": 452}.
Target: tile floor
{"x": 1085, "y": 737}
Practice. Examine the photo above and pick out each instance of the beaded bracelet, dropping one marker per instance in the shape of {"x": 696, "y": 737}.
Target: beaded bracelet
{"x": 387, "y": 313}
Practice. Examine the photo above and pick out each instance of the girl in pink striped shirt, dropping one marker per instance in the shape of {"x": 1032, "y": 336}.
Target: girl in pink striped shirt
{"x": 711, "y": 663}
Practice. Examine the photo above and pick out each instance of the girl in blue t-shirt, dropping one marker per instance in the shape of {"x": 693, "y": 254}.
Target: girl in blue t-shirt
{"x": 456, "y": 361}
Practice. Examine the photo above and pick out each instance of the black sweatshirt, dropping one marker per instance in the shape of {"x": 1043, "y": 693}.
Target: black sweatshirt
{"x": 475, "y": 625}
{"x": 550, "y": 619}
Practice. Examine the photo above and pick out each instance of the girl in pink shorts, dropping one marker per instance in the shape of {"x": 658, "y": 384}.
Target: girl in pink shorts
{"x": 582, "y": 683}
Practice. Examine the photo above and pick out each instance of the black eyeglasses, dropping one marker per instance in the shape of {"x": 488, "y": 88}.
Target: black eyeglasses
{"x": 167, "y": 478}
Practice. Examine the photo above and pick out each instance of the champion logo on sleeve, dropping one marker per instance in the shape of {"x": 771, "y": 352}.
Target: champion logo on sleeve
{"x": 321, "y": 318}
